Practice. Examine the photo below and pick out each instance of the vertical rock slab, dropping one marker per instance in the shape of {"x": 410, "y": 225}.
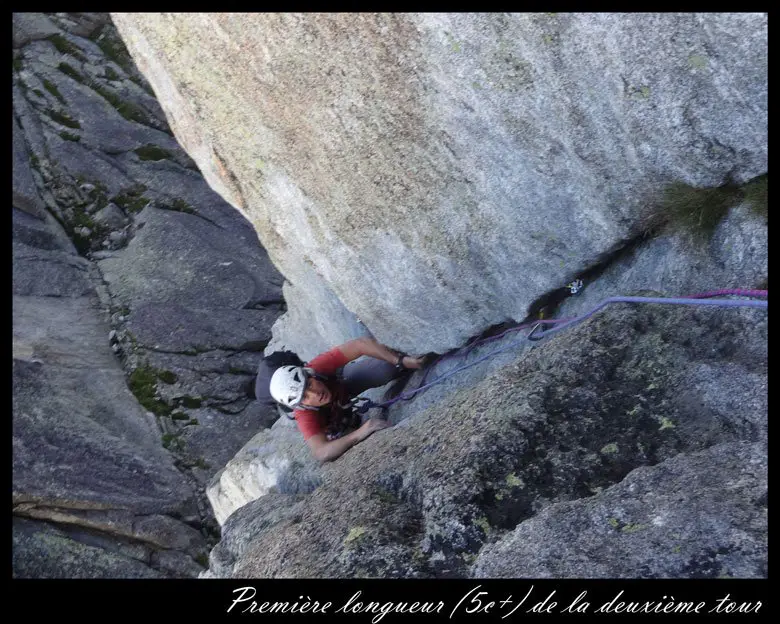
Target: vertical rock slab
{"x": 441, "y": 171}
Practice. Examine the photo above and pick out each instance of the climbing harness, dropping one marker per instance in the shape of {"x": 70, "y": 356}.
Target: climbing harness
{"x": 537, "y": 333}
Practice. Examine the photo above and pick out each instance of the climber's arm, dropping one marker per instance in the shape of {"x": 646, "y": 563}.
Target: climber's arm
{"x": 325, "y": 450}
{"x": 364, "y": 345}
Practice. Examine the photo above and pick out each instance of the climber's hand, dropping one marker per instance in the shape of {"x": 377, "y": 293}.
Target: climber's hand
{"x": 410, "y": 361}
{"x": 372, "y": 425}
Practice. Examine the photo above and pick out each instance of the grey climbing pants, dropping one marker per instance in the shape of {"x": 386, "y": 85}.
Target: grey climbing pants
{"x": 367, "y": 372}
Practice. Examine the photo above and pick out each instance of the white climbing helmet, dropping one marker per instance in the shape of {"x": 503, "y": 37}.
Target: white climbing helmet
{"x": 287, "y": 385}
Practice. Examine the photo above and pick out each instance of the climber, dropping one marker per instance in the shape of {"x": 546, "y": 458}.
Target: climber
{"x": 320, "y": 393}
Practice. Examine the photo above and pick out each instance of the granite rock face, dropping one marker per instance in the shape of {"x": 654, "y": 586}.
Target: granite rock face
{"x": 142, "y": 303}
{"x": 415, "y": 177}
{"x": 274, "y": 460}
{"x": 440, "y": 172}
{"x": 94, "y": 492}
{"x": 679, "y": 507}
{"x": 600, "y": 442}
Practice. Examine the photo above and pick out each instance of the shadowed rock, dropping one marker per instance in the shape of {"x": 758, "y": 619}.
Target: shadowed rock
{"x": 702, "y": 515}
{"x": 105, "y": 486}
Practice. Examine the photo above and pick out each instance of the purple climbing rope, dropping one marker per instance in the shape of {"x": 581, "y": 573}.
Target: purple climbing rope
{"x": 731, "y": 291}
{"x": 560, "y": 324}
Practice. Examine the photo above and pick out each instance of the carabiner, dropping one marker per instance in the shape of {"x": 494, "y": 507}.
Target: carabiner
{"x": 575, "y": 286}
{"x": 361, "y": 404}
{"x": 531, "y": 336}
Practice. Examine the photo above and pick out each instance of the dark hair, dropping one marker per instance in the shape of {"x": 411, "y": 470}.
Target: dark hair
{"x": 265, "y": 371}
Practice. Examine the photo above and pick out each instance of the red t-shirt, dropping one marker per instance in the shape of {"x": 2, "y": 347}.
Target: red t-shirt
{"x": 312, "y": 422}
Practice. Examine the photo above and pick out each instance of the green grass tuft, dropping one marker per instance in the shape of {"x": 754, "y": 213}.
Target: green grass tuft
{"x": 79, "y": 218}
{"x": 167, "y": 376}
{"x": 51, "y": 88}
{"x": 697, "y": 211}
{"x": 67, "y": 136}
{"x": 72, "y": 73}
{"x": 190, "y": 402}
{"x": 179, "y": 205}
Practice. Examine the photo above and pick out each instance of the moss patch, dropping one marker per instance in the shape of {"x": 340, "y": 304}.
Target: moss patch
{"x": 77, "y": 219}
{"x": 172, "y": 442}
{"x": 71, "y": 72}
{"x": 63, "y": 118}
{"x": 190, "y": 402}
{"x": 697, "y": 61}
{"x": 99, "y": 193}
{"x": 143, "y": 384}
{"x": 128, "y": 110}
{"x": 67, "y": 136}
{"x": 132, "y": 199}
{"x": 51, "y": 88}
{"x": 152, "y": 152}
{"x": 167, "y": 376}
{"x": 666, "y": 423}
{"x": 483, "y": 524}
{"x": 110, "y": 74}
{"x": 355, "y": 533}
{"x": 609, "y": 449}
{"x": 756, "y": 194}
{"x": 386, "y": 496}
{"x": 179, "y": 205}
{"x": 512, "y": 480}
{"x": 66, "y": 47}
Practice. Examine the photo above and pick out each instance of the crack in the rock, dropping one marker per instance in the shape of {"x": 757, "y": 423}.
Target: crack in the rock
{"x": 68, "y": 527}
{"x": 194, "y": 213}
{"x": 61, "y": 261}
